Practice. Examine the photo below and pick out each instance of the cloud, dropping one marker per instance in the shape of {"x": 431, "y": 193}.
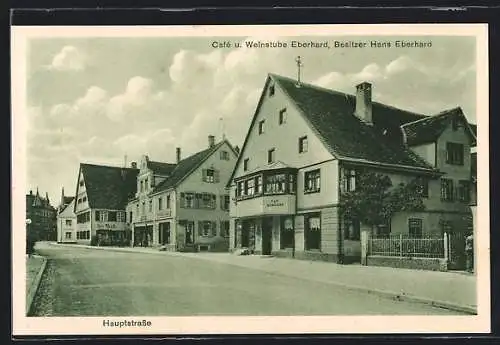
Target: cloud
{"x": 100, "y": 125}
{"x": 69, "y": 58}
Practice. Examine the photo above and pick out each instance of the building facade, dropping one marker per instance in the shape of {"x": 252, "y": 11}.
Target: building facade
{"x": 286, "y": 193}
{"x": 101, "y": 197}
{"x": 186, "y": 208}
{"x": 42, "y": 217}
{"x": 66, "y": 219}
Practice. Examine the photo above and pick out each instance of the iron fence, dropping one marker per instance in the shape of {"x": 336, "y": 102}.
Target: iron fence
{"x": 400, "y": 245}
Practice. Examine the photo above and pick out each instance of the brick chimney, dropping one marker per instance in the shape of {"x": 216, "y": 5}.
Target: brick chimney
{"x": 211, "y": 141}
{"x": 133, "y": 165}
{"x": 364, "y": 102}
{"x": 178, "y": 154}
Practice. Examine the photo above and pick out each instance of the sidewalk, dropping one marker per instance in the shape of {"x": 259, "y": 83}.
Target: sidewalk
{"x": 35, "y": 266}
{"x": 445, "y": 289}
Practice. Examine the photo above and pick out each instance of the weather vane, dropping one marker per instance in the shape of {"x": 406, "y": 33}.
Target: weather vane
{"x": 299, "y": 65}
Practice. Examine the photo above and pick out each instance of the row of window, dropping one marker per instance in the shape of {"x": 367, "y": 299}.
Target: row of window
{"x": 281, "y": 120}
{"x": 203, "y": 201}
{"x": 450, "y": 193}
{"x": 110, "y": 216}
{"x": 279, "y": 183}
{"x": 83, "y": 218}
{"x": 271, "y": 153}
{"x": 206, "y": 228}
{"x": 81, "y": 200}
{"x": 83, "y": 235}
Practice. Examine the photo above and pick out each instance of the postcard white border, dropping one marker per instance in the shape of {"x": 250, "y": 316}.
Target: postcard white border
{"x": 23, "y": 325}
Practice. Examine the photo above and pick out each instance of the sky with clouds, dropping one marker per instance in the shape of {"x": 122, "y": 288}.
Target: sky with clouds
{"x": 96, "y": 100}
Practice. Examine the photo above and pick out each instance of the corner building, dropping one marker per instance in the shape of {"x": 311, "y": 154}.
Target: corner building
{"x": 303, "y": 149}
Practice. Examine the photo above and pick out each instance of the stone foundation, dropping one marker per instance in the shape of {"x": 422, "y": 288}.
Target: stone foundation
{"x": 413, "y": 263}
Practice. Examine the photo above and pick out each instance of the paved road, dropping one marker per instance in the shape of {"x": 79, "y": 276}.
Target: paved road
{"x": 102, "y": 283}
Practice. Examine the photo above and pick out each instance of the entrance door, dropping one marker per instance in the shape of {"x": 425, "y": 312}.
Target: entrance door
{"x": 189, "y": 233}
{"x": 267, "y": 236}
{"x": 165, "y": 233}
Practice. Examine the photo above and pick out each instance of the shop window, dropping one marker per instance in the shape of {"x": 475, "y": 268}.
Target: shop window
{"x": 287, "y": 233}
{"x": 207, "y": 228}
{"x": 313, "y": 232}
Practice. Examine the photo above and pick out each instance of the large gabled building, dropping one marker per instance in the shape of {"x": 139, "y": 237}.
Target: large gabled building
{"x": 185, "y": 206}
{"x": 287, "y": 192}
{"x": 101, "y": 196}
{"x": 40, "y": 217}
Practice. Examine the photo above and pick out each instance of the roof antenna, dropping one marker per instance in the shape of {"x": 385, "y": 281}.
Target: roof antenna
{"x": 221, "y": 120}
{"x": 298, "y": 60}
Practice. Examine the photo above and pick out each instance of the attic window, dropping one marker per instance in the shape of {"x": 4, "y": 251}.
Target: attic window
{"x": 261, "y": 126}
{"x": 271, "y": 90}
{"x": 456, "y": 123}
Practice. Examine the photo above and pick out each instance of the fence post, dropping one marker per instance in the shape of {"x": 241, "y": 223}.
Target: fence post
{"x": 365, "y": 245}
{"x": 445, "y": 244}
{"x": 401, "y": 245}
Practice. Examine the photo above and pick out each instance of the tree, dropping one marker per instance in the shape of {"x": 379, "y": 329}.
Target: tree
{"x": 375, "y": 200}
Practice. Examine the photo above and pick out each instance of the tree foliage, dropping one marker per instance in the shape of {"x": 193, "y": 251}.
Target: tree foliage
{"x": 375, "y": 200}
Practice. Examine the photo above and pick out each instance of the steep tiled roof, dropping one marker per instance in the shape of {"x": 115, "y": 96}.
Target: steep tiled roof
{"x": 109, "y": 187}
{"x": 161, "y": 168}
{"x": 185, "y": 167}
{"x": 430, "y": 128}
{"x": 331, "y": 115}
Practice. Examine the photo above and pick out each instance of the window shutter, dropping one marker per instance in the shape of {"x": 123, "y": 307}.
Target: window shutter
{"x": 216, "y": 176}
{"x": 200, "y": 228}
{"x": 196, "y": 201}
{"x": 214, "y": 201}
{"x": 204, "y": 174}
{"x": 221, "y": 227}
{"x": 221, "y": 201}
{"x": 182, "y": 200}
{"x": 214, "y": 228}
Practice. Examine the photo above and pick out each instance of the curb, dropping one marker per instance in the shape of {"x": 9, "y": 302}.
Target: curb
{"x": 32, "y": 290}
{"x": 382, "y": 293}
